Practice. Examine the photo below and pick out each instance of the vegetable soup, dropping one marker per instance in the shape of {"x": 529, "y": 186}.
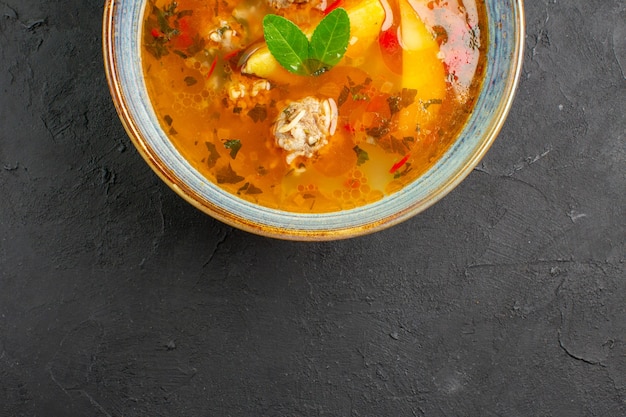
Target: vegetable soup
{"x": 313, "y": 106}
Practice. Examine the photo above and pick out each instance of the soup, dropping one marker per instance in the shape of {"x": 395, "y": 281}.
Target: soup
{"x": 317, "y": 137}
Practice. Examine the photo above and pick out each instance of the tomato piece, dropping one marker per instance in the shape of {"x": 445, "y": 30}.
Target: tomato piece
{"x": 183, "y": 25}
{"x": 184, "y": 39}
{"x": 378, "y": 104}
{"x": 391, "y": 49}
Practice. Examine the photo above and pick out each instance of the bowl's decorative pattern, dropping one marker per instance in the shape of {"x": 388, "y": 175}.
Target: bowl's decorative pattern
{"x": 122, "y": 43}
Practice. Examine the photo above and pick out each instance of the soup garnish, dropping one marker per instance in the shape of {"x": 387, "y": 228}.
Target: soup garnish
{"x": 299, "y": 55}
{"x": 313, "y": 106}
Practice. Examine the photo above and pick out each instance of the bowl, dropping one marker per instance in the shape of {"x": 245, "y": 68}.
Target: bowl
{"x": 122, "y": 25}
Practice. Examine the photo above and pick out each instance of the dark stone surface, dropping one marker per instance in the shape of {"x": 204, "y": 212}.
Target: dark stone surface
{"x": 507, "y": 298}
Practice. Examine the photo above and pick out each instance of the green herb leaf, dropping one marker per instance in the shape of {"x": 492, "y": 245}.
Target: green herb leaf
{"x": 432, "y": 101}
{"x": 408, "y": 96}
{"x": 171, "y": 9}
{"x": 198, "y": 44}
{"x": 249, "y": 189}
{"x": 379, "y": 131}
{"x": 234, "y": 145}
{"x": 406, "y": 170}
{"x": 227, "y": 175}
{"x": 214, "y": 155}
{"x": 398, "y": 146}
{"x": 361, "y": 155}
{"x": 293, "y": 50}
{"x": 258, "y": 113}
{"x": 184, "y": 13}
{"x": 394, "y": 104}
{"x": 161, "y": 27}
{"x": 287, "y": 43}
{"x": 343, "y": 96}
{"x": 329, "y": 41}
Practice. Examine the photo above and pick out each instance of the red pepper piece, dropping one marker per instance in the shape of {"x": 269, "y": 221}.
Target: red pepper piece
{"x": 399, "y": 164}
{"x": 231, "y": 55}
{"x": 213, "y": 65}
{"x": 332, "y": 7}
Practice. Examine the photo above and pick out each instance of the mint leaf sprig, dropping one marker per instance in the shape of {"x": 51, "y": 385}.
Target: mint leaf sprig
{"x": 299, "y": 55}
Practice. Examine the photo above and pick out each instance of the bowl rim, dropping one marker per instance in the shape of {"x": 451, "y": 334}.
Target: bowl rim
{"x": 233, "y": 219}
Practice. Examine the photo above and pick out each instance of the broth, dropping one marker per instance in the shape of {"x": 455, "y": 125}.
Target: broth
{"x": 386, "y": 113}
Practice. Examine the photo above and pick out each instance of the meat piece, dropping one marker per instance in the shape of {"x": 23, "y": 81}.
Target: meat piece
{"x": 226, "y": 36}
{"x": 304, "y": 126}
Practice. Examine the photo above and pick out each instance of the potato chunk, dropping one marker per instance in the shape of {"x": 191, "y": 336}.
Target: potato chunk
{"x": 422, "y": 70}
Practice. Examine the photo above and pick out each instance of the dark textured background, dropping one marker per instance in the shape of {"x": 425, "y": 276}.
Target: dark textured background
{"x": 507, "y": 298}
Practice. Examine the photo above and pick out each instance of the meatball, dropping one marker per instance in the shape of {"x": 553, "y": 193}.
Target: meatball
{"x": 303, "y": 127}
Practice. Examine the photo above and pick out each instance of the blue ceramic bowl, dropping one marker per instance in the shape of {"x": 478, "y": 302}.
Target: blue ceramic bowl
{"x": 122, "y": 43}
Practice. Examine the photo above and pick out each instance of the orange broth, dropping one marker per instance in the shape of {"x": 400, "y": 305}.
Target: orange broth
{"x": 393, "y": 123}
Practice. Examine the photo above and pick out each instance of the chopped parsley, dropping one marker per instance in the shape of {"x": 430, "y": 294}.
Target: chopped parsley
{"x": 258, "y": 113}
{"x": 379, "y": 131}
{"x": 234, "y": 145}
{"x": 432, "y": 101}
{"x": 400, "y": 174}
{"x": 214, "y": 155}
{"x": 343, "y": 96}
{"x": 401, "y": 100}
{"x": 249, "y": 189}
{"x": 227, "y": 175}
{"x": 361, "y": 156}
{"x": 162, "y": 26}
{"x": 190, "y": 81}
